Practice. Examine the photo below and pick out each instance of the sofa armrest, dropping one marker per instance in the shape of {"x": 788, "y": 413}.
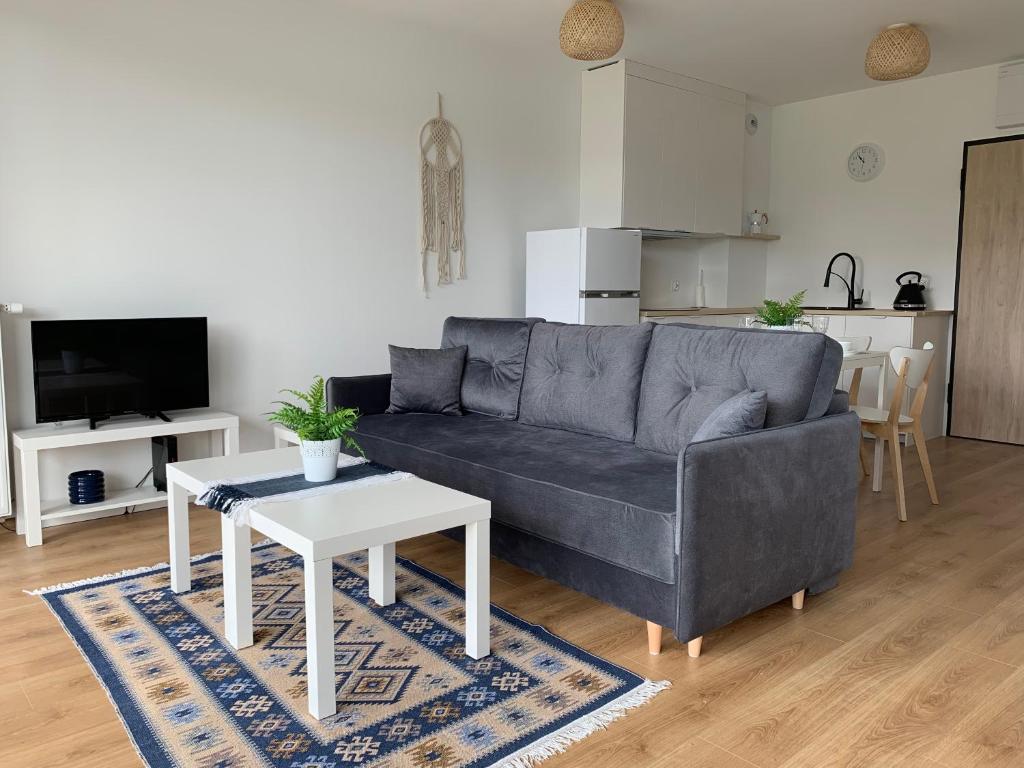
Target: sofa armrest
{"x": 370, "y": 394}
{"x": 762, "y": 516}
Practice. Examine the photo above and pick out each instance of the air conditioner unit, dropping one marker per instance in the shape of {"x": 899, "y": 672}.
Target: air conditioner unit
{"x": 1010, "y": 95}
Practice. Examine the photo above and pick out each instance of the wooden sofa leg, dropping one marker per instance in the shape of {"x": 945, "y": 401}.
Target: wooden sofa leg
{"x": 798, "y": 600}
{"x": 653, "y": 638}
{"x": 693, "y": 647}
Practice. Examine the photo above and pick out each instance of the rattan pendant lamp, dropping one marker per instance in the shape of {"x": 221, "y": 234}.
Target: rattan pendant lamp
{"x": 591, "y": 30}
{"x": 898, "y": 52}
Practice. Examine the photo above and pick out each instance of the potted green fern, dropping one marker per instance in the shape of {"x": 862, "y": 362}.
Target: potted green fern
{"x": 783, "y": 315}
{"x": 321, "y": 432}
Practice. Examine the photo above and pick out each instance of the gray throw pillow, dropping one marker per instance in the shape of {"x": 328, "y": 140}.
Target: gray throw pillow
{"x": 741, "y": 413}
{"x": 426, "y": 380}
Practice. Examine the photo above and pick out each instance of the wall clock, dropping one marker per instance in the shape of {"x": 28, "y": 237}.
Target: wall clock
{"x": 865, "y": 162}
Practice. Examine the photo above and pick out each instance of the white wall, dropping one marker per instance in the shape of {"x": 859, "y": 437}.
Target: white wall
{"x": 907, "y": 218}
{"x": 256, "y": 162}
{"x": 757, "y": 151}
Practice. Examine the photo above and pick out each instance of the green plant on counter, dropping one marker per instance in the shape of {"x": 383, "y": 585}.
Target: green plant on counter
{"x": 315, "y": 422}
{"x": 786, "y": 312}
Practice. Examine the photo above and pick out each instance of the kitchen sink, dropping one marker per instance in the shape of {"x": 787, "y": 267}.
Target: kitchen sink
{"x": 843, "y": 308}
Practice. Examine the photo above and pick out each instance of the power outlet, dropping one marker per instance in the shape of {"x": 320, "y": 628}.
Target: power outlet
{"x": 675, "y": 286}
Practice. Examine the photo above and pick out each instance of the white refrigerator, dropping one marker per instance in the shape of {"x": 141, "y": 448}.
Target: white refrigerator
{"x": 584, "y": 275}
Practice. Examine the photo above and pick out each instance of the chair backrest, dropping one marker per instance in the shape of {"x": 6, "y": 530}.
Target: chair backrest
{"x": 857, "y": 343}
{"x": 920, "y": 362}
{"x": 914, "y": 367}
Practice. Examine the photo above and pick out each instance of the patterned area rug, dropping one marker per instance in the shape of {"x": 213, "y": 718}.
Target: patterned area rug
{"x": 408, "y": 695}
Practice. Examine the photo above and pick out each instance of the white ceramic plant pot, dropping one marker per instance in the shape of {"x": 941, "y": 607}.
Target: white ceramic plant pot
{"x": 320, "y": 459}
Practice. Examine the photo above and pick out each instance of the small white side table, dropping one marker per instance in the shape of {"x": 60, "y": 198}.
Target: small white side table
{"x": 284, "y": 437}
{"x": 320, "y": 528}
{"x": 34, "y": 512}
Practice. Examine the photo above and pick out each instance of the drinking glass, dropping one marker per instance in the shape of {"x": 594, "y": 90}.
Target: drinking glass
{"x": 819, "y": 323}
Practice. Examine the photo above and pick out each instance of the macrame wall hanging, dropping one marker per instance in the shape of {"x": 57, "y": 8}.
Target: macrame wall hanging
{"x": 441, "y": 188}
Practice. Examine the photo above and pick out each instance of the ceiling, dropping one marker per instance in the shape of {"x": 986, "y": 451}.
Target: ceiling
{"x": 777, "y": 52}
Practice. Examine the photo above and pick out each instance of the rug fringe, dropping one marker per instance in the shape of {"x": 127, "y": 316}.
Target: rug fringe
{"x": 126, "y": 572}
{"x": 559, "y": 741}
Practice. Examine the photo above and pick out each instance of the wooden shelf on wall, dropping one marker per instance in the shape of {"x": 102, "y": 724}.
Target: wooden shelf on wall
{"x": 671, "y": 234}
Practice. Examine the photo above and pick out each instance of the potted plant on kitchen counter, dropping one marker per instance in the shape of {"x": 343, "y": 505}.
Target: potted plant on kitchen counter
{"x": 320, "y": 432}
{"x": 783, "y": 315}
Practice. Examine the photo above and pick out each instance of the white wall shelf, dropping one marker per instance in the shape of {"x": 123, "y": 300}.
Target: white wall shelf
{"x": 34, "y": 513}
{"x": 671, "y": 234}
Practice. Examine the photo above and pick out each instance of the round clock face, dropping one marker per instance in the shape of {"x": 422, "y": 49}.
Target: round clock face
{"x": 865, "y": 162}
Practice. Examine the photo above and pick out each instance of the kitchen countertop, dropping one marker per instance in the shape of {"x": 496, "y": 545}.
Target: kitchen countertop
{"x": 880, "y": 312}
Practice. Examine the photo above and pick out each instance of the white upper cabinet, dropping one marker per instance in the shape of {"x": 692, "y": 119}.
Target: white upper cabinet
{"x": 660, "y": 151}
{"x": 720, "y": 167}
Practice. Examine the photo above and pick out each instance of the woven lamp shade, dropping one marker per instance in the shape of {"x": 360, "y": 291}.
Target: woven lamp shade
{"x": 896, "y": 53}
{"x": 591, "y": 30}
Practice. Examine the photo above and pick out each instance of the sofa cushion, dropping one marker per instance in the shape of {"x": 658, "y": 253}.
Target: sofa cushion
{"x": 494, "y": 361}
{"x": 683, "y": 415}
{"x": 797, "y": 371}
{"x": 426, "y": 380}
{"x": 584, "y": 378}
{"x": 602, "y": 497}
{"x": 739, "y": 414}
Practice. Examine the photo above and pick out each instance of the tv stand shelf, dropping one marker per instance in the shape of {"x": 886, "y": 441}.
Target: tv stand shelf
{"x": 33, "y": 512}
{"x": 55, "y": 509}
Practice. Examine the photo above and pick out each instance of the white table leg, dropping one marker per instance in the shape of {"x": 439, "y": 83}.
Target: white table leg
{"x": 876, "y": 474}
{"x": 320, "y": 680}
{"x": 236, "y": 544}
{"x": 31, "y": 503}
{"x": 177, "y": 535}
{"x": 231, "y": 441}
{"x": 881, "y": 382}
{"x": 382, "y": 574}
{"x": 478, "y": 589}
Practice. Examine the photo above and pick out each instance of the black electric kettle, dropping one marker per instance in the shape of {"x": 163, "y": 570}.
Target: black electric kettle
{"x": 911, "y": 294}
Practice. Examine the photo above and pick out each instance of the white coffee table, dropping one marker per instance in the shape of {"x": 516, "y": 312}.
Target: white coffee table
{"x": 320, "y": 528}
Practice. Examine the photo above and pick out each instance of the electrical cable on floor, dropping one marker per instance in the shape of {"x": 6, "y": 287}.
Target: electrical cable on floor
{"x": 145, "y": 477}
{"x": 3, "y": 524}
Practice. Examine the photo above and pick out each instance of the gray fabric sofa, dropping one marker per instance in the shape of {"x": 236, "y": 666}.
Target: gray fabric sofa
{"x": 580, "y": 438}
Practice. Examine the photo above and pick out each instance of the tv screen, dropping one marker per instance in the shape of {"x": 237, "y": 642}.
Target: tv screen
{"x": 95, "y": 369}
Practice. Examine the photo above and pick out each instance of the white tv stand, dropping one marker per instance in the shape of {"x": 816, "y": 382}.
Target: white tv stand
{"x": 34, "y": 512}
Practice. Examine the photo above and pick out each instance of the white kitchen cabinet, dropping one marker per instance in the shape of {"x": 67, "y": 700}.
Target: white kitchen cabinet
{"x": 660, "y": 151}
{"x": 721, "y": 321}
{"x": 646, "y": 126}
{"x": 719, "y": 198}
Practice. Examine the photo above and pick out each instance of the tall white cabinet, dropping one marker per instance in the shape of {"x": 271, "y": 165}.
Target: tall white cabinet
{"x": 660, "y": 151}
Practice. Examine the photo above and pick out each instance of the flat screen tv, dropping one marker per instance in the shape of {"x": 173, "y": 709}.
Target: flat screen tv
{"x": 96, "y": 369}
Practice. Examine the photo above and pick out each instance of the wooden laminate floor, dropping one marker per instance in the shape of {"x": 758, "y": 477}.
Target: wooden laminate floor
{"x": 917, "y": 659}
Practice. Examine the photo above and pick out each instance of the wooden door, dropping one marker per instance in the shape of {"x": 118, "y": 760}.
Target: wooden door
{"x": 988, "y": 363}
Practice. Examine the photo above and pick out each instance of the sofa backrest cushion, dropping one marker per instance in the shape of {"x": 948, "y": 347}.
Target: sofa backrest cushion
{"x": 798, "y": 371}
{"x": 493, "y": 376}
{"x": 585, "y": 378}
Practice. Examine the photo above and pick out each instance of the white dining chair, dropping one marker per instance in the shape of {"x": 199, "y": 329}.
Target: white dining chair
{"x": 913, "y": 368}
